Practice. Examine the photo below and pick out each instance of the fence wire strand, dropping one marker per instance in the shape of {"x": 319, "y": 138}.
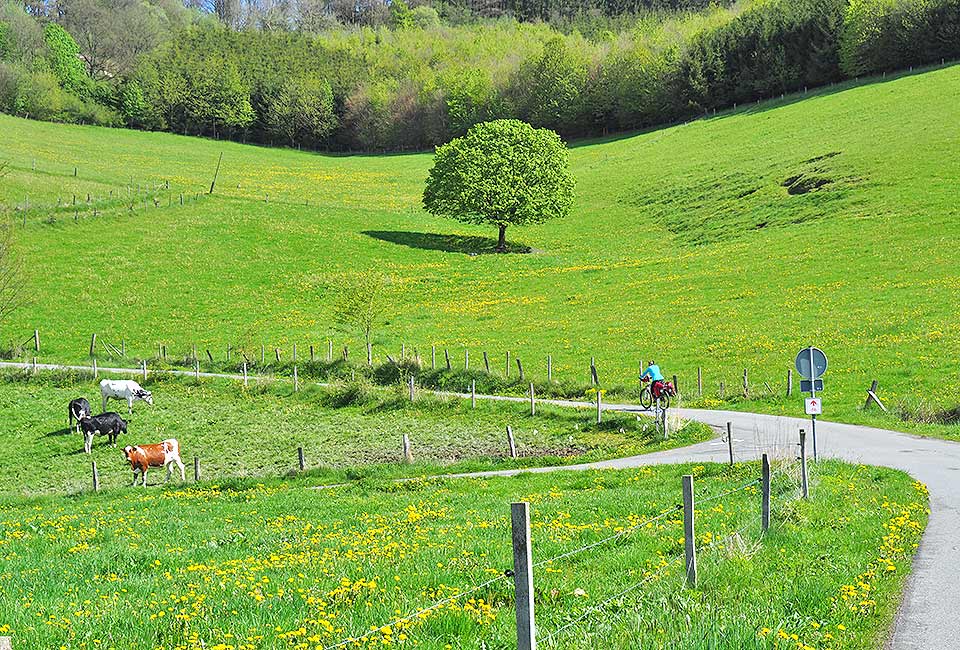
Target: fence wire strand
{"x": 418, "y": 613}
{"x": 599, "y": 606}
{"x": 622, "y": 533}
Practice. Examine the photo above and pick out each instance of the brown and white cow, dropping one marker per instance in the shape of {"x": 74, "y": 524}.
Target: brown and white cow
{"x": 164, "y": 454}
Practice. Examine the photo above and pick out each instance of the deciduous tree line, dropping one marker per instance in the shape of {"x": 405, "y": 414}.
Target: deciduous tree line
{"x": 416, "y": 81}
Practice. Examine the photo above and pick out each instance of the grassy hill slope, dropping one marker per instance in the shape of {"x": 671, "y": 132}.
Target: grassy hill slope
{"x": 725, "y": 243}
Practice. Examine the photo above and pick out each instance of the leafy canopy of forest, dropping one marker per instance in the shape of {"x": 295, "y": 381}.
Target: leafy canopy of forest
{"x": 377, "y": 75}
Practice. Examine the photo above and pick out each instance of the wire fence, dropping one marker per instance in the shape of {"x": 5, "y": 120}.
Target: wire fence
{"x": 664, "y": 567}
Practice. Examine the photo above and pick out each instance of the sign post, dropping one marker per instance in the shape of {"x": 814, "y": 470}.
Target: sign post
{"x": 811, "y": 363}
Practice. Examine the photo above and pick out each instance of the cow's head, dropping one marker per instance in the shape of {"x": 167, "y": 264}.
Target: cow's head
{"x": 128, "y": 451}
{"x": 145, "y": 396}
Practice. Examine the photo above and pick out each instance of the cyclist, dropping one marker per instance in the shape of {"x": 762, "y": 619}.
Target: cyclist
{"x": 653, "y": 374}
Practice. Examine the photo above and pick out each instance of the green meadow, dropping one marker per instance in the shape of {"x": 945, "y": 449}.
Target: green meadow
{"x": 348, "y": 431}
{"x": 274, "y": 565}
{"x": 726, "y": 243}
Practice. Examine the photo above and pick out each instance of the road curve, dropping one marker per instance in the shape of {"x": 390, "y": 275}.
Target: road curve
{"x": 929, "y": 616}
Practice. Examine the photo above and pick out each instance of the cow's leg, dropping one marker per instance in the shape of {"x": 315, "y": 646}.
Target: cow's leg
{"x": 134, "y": 476}
{"x": 144, "y": 474}
{"x": 105, "y": 398}
{"x": 183, "y": 476}
{"x": 169, "y": 467}
{"x": 87, "y": 442}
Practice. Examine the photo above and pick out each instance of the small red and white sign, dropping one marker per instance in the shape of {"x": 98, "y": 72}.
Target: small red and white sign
{"x": 813, "y": 406}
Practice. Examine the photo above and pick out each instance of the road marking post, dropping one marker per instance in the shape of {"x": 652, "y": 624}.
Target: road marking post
{"x": 803, "y": 464}
{"x": 765, "y": 498}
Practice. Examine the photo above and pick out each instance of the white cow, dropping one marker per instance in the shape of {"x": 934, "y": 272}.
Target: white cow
{"x": 124, "y": 389}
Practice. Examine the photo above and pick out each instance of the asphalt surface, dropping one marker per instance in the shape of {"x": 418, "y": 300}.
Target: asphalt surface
{"x": 929, "y": 616}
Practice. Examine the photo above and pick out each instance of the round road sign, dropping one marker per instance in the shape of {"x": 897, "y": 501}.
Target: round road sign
{"x": 805, "y": 356}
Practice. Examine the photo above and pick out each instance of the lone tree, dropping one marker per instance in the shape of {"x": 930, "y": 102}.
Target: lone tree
{"x": 363, "y": 302}
{"x": 501, "y": 173}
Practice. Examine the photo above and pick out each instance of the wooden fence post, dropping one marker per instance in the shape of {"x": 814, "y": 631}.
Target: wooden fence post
{"x": 263, "y": 354}
{"x": 789, "y": 382}
{"x": 95, "y": 371}
{"x": 412, "y": 388}
{"x": 407, "y": 454}
{"x": 746, "y": 385}
{"x": 34, "y": 365}
{"x": 296, "y": 380}
{"x": 313, "y": 356}
{"x": 520, "y": 368}
{"x": 466, "y": 359}
{"x": 699, "y": 381}
{"x": 765, "y": 487}
{"x": 244, "y": 374}
{"x": 549, "y": 367}
{"x": 593, "y": 372}
{"x": 276, "y": 352}
{"x": 403, "y": 351}
{"x": 511, "y": 442}
{"x": 803, "y": 464}
{"x": 486, "y": 362}
{"x": 196, "y": 469}
{"x": 93, "y": 344}
{"x": 473, "y": 393}
{"x": 446, "y": 355}
{"x": 294, "y": 353}
{"x": 36, "y": 340}
{"x": 143, "y": 366}
{"x": 96, "y": 477}
{"x": 508, "y": 363}
{"x": 533, "y": 403}
{"x": 433, "y": 357}
{"x": 329, "y": 351}
{"x": 689, "y": 542}
{"x": 196, "y": 369}
{"x": 599, "y": 407}
{"x": 676, "y": 385}
{"x": 722, "y": 390}
{"x": 730, "y": 441}
{"x": 523, "y": 575}
{"x": 300, "y": 459}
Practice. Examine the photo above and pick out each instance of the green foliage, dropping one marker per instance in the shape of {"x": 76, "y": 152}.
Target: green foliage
{"x": 300, "y": 110}
{"x": 64, "y": 56}
{"x": 425, "y": 17}
{"x": 502, "y": 173}
{"x": 400, "y": 14}
{"x": 885, "y": 35}
{"x": 548, "y": 88}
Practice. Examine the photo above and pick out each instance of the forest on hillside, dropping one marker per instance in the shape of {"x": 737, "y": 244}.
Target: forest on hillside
{"x": 377, "y": 75}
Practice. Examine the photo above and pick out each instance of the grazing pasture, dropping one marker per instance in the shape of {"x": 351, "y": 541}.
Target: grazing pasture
{"x": 726, "y": 243}
{"x": 272, "y": 565}
{"x": 351, "y": 429}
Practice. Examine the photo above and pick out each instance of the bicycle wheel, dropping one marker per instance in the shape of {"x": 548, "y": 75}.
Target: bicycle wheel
{"x": 646, "y": 398}
{"x": 663, "y": 401}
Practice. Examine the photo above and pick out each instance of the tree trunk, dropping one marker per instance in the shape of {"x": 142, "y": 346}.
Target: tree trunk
{"x": 502, "y": 243}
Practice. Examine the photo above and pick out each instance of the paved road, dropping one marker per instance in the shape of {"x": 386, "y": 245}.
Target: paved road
{"x": 929, "y": 617}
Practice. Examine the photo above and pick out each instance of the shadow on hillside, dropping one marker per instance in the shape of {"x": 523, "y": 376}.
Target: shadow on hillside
{"x": 60, "y": 432}
{"x": 466, "y": 244}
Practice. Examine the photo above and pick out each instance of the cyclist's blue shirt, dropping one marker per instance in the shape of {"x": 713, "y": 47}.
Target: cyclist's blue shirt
{"x": 653, "y": 372}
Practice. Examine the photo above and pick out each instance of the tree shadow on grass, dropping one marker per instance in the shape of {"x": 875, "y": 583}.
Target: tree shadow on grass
{"x": 467, "y": 244}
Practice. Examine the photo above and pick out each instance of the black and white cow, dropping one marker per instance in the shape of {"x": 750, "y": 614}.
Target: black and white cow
{"x": 79, "y": 409}
{"x": 106, "y": 424}
{"x": 123, "y": 389}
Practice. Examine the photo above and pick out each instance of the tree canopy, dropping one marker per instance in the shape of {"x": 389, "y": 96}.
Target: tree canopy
{"x": 503, "y": 173}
